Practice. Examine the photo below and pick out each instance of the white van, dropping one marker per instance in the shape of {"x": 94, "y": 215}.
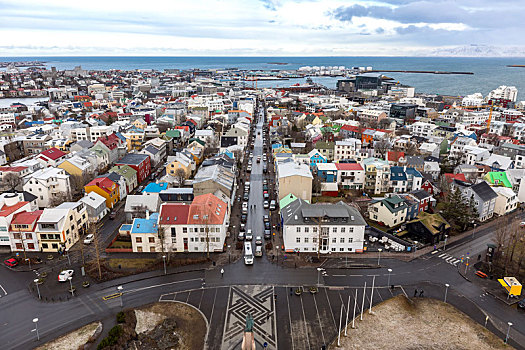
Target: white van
{"x": 248, "y": 254}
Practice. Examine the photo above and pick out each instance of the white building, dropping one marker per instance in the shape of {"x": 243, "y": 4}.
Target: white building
{"x": 504, "y": 92}
{"x": 49, "y": 185}
{"x": 346, "y": 149}
{"x": 331, "y": 228}
{"x": 506, "y": 201}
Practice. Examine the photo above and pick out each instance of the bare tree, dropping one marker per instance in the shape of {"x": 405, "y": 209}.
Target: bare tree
{"x": 12, "y": 181}
{"x": 382, "y": 147}
{"x": 180, "y": 175}
{"x": 94, "y": 229}
{"x": 316, "y": 184}
{"x": 58, "y": 198}
{"x": 411, "y": 149}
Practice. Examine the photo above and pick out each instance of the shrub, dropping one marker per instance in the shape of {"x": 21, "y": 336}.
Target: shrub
{"x": 112, "y": 338}
{"x": 121, "y": 318}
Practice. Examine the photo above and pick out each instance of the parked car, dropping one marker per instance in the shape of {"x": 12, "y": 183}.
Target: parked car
{"x": 273, "y": 205}
{"x": 521, "y": 304}
{"x": 265, "y": 182}
{"x": 249, "y": 235}
{"x": 258, "y": 240}
{"x": 240, "y": 236}
{"x": 266, "y": 218}
{"x": 64, "y": 275}
{"x": 246, "y": 196}
{"x": 249, "y": 169}
{"x": 267, "y": 234}
{"x": 89, "y": 239}
{"x": 112, "y": 215}
{"x": 266, "y": 205}
{"x": 265, "y": 187}
{"x": 244, "y": 217}
{"x": 245, "y": 208}
{"x": 11, "y": 262}
{"x": 258, "y": 251}
{"x": 258, "y": 159}
{"x": 266, "y": 195}
{"x": 266, "y": 225}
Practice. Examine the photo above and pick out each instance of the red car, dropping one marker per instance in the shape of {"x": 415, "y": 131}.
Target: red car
{"x": 12, "y": 262}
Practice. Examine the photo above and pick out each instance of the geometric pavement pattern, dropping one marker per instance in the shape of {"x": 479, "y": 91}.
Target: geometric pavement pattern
{"x": 259, "y": 302}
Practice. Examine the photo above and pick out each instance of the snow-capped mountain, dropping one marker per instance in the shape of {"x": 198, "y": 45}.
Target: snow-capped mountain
{"x": 479, "y": 51}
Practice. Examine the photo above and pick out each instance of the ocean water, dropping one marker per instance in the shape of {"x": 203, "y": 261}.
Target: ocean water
{"x": 489, "y": 73}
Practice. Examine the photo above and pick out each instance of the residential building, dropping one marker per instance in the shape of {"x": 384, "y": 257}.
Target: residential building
{"x": 22, "y": 231}
{"x": 95, "y": 206}
{"x": 294, "y": 178}
{"x": 139, "y": 162}
{"x": 506, "y": 202}
{"x": 106, "y": 188}
{"x": 329, "y": 228}
{"x": 51, "y": 186}
{"x": 390, "y": 212}
{"x": 483, "y": 196}
{"x": 145, "y": 234}
{"x": 350, "y": 176}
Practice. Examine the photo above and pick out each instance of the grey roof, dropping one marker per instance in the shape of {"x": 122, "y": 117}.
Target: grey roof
{"x": 84, "y": 143}
{"x": 420, "y": 194}
{"x": 484, "y": 191}
{"x": 300, "y": 212}
{"x": 151, "y": 149}
{"x": 415, "y": 160}
{"x": 132, "y": 159}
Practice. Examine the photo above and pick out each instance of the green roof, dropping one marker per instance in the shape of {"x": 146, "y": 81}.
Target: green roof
{"x": 324, "y": 145}
{"x": 498, "y": 178}
{"x": 287, "y": 200}
{"x": 173, "y": 133}
{"x": 124, "y": 170}
{"x": 431, "y": 221}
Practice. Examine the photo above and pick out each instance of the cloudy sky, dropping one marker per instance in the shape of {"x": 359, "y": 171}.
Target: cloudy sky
{"x": 255, "y": 27}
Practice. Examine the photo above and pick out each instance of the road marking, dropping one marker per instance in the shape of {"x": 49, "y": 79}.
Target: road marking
{"x": 441, "y": 255}
{"x": 449, "y": 259}
{"x": 319, "y": 319}
{"x": 305, "y": 325}
{"x": 339, "y": 275}
{"x": 3, "y": 289}
{"x": 161, "y": 285}
{"x": 111, "y": 296}
{"x": 213, "y": 305}
{"x": 289, "y": 317}
{"x": 434, "y": 252}
{"x": 330, "y": 307}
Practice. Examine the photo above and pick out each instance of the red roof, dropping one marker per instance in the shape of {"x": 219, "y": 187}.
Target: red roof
{"x": 348, "y": 166}
{"x": 207, "y": 205}
{"x": 452, "y": 177}
{"x": 394, "y": 156}
{"x": 15, "y": 169}
{"x": 350, "y": 128}
{"x": 111, "y": 141}
{"x": 26, "y": 218}
{"x": 53, "y": 153}
{"x": 174, "y": 214}
{"x": 104, "y": 183}
{"x": 8, "y": 210}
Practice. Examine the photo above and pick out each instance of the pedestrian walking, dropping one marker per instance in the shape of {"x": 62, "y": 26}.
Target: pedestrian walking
{"x": 291, "y": 291}
{"x": 415, "y": 292}
{"x": 222, "y": 272}
{"x": 421, "y": 293}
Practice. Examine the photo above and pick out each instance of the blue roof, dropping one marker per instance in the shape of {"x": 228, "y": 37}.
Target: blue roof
{"x": 397, "y": 173}
{"x": 145, "y": 225}
{"x": 155, "y": 187}
{"x": 120, "y": 136}
{"x": 413, "y": 172}
{"x": 125, "y": 227}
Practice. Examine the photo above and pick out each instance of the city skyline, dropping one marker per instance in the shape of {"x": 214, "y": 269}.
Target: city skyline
{"x": 260, "y": 28}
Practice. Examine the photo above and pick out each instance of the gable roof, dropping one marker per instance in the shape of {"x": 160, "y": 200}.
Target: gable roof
{"x": 174, "y": 214}
{"x": 53, "y": 153}
{"x": 484, "y": 191}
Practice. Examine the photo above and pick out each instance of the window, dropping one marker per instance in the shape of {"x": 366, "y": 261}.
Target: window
{"x": 305, "y": 249}
{"x": 342, "y": 240}
{"x": 334, "y": 240}
{"x": 151, "y": 239}
{"x": 350, "y": 240}
{"x": 334, "y": 230}
{"x": 139, "y": 249}
{"x": 341, "y": 249}
{"x": 298, "y": 240}
{"x": 349, "y": 249}
{"x": 173, "y": 232}
{"x": 306, "y": 240}
{"x": 191, "y": 239}
{"x": 343, "y": 229}
{"x": 138, "y": 240}
{"x": 30, "y": 246}
{"x": 298, "y": 229}
{"x": 314, "y": 240}
{"x": 19, "y": 246}
{"x": 333, "y": 249}
{"x": 44, "y": 245}
{"x": 315, "y": 229}
{"x": 306, "y": 229}
{"x": 195, "y": 248}
{"x": 350, "y": 229}
{"x": 152, "y": 249}
{"x": 54, "y": 246}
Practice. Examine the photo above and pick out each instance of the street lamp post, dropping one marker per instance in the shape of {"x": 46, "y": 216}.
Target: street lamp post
{"x": 389, "y": 272}
{"x": 363, "y": 304}
{"x": 508, "y": 331}
{"x": 379, "y": 256}
{"x": 372, "y": 294}
{"x": 71, "y": 285}
{"x": 37, "y": 288}
{"x": 35, "y": 321}
{"x": 446, "y": 289}
{"x": 445, "y": 244}
{"x": 119, "y": 288}
{"x": 164, "y": 260}
{"x": 474, "y": 230}
{"x": 29, "y": 262}
{"x": 355, "y": 305}
{"x": 229, "y": 253}
{"x": 347, "y": 311}
{"x": 466, "y": 264}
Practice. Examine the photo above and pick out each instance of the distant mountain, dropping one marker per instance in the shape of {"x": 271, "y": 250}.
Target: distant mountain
{"x": 479, "y": 51}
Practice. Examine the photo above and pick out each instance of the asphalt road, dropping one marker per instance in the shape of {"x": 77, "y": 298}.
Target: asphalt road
{"x": 283, "y": 320}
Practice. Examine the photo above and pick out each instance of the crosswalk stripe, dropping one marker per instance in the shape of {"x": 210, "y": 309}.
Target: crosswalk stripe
{"x": 449, "y": 259}
{"x": 441, "y": 255}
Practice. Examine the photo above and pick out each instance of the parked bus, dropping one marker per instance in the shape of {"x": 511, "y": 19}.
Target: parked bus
{"x": 248, "y": 254}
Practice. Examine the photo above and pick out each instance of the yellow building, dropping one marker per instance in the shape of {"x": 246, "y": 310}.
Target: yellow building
{"x": 106, "y": 188}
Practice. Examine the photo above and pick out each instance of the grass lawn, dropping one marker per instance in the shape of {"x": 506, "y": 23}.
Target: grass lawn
{"x": 131, "y": 263}
{"x": 121, "y": 245}
{"x": 326, "y": 199}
